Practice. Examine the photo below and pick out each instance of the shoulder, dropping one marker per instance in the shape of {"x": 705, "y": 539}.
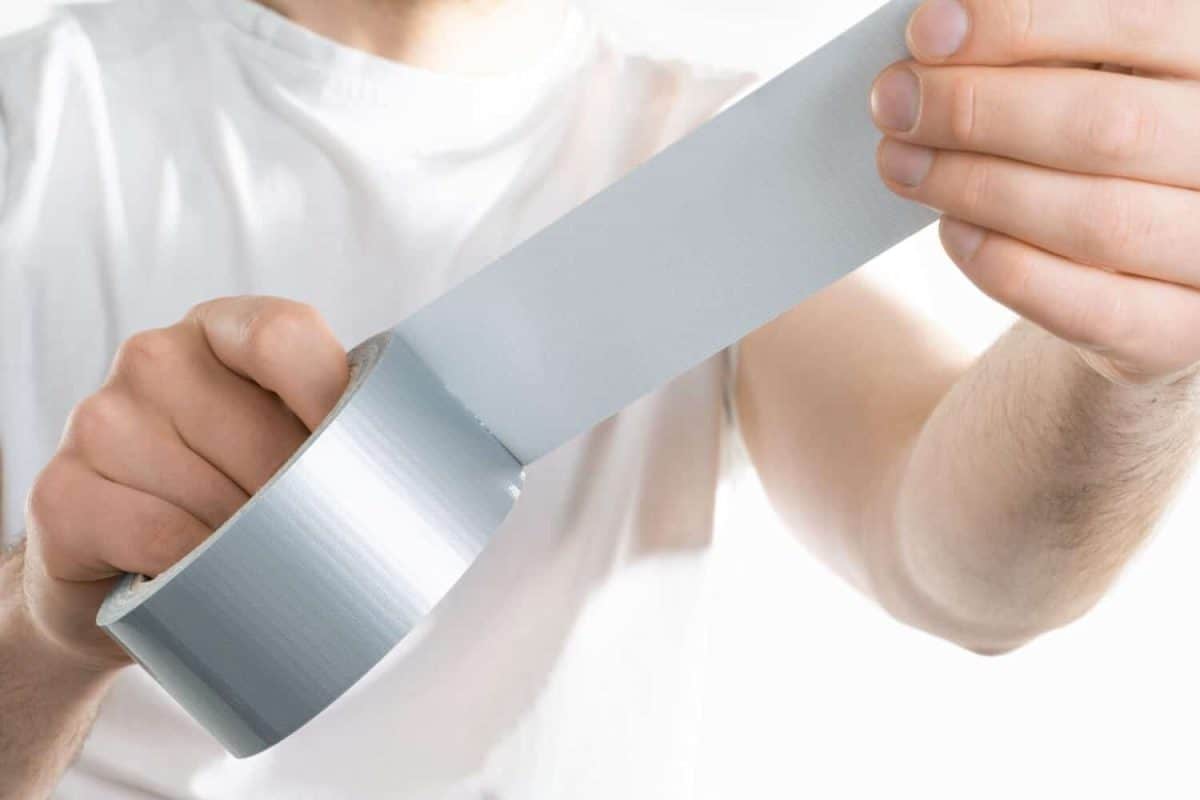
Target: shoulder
{"x": 84, "y": 45}
{"x": 37, "y": 68}
{"x": 56, "y": 78}
{"x": 81, "y": 36}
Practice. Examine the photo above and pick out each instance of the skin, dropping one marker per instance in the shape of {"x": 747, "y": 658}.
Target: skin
{"x": 192, "y": 420}
{"x": 987, "y": 502}
{"x": 455, "y": 36}
{"x": 991, "y": 502}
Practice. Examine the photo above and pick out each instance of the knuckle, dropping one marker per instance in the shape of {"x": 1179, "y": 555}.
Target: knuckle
{"x": 46, "y": 514}
{"x": 45, "y": 498}
{"x": 197, "y": 311}
{"x": 964, "y": 109}
{"x": 207, "y": 308}
{"x": 276, "y": 328}
{"x": 147, "y": 353}
{"x": 96, "y": 418}
{"x": 196, "y": 314}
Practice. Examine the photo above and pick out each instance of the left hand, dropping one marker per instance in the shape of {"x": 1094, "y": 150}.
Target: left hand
{"x": 1061, "y": 138}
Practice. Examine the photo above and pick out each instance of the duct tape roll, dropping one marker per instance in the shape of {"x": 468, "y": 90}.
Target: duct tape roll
{"x": 373, "y": 521}
{"x": 331, "y": 564}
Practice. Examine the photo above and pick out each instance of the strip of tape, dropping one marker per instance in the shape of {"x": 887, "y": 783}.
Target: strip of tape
{"x": 380, "y": 513}
{"x": 727, "y": 229}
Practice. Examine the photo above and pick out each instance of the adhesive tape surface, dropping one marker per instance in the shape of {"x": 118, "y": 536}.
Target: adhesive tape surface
{"x": 357, "y": 538}
{"x": 312, "y": 582}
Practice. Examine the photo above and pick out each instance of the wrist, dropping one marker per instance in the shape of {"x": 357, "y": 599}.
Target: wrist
{"x": 48, "y": 699}
{"x": 31, "y": 650}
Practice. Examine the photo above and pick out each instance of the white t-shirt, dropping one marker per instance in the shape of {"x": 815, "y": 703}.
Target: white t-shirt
{"x": 157, "y": 153}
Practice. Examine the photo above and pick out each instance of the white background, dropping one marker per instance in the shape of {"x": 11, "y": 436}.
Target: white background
{"x": 812, "y": 692}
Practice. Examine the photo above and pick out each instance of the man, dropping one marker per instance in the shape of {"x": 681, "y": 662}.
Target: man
{"x": 362, "y": 157}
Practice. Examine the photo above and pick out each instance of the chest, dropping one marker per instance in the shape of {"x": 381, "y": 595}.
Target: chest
{"x": 123, "y": 227}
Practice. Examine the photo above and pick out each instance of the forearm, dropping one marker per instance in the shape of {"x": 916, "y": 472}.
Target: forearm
{"x": 1028, "y": 489}
{"x": 47, "y": 702}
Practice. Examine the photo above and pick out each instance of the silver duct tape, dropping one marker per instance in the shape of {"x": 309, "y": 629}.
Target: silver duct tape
{"x": 330, "y": 565}
{"x": 722, "y": 232}
{"x": 366, "y": 528}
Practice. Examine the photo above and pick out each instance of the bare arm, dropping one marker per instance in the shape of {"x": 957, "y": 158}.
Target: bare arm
{"x": 993, "y": 502}
{"x": 1031, "y": 486}
{"x": 192, "y": 420}
{"x": 986, "y": 504}
{"x": 47, "y": 700}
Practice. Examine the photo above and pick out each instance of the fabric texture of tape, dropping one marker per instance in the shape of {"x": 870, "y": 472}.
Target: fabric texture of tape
{"x": 332, "y": 563}
{"x": 366, "y": 528}
{"x": 719, "y": 234}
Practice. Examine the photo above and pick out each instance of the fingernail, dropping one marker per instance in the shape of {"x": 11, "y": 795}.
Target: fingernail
{"x": 961, "y": 239}
{"x": 904, "y": 163}
{"x": 938, "y": 29}
{"x": 896, "y": 100}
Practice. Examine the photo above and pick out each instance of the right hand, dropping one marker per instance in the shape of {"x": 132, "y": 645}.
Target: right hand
{"x": 192, "y": 420}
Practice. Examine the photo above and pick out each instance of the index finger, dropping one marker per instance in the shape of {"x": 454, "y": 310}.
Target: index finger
{"x": 283, "y": 346}
{"x": 1154, "y": 35}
